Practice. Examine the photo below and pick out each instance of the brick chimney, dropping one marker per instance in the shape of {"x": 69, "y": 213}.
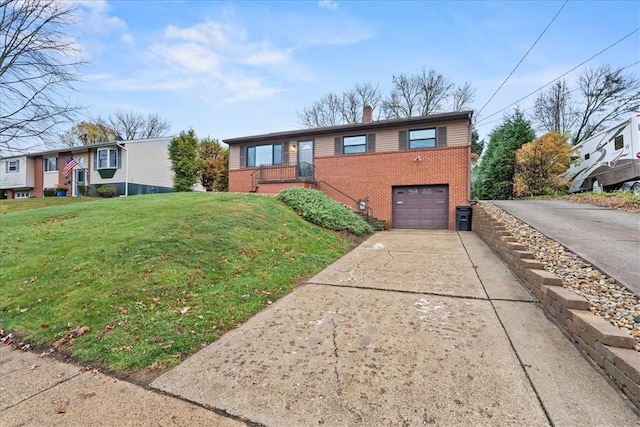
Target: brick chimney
{"x": 367, "y": 114}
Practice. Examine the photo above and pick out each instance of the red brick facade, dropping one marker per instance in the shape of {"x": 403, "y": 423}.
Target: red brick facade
{"x": 373, "y": 175}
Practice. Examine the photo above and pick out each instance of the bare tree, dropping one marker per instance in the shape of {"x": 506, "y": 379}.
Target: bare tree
{"x": 131, "y": 125}
{"x": 434, "y": 89}
{"x": 608, "y": 94}
{"x": 423, "y": 94}
{"x": 462, "y": 96}
{"x": 404, "y": 99}
{"x": 410, "y": 95}
{"x": 37, "y": 64}
{"x": 155, "y": 127}
{"x": 327, "y": 111}
{"x": 354, "y": 101}
{"x": 555, "y": 110}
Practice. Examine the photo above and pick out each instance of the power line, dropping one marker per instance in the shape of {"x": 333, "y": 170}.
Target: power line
{"x": 561, "y": 76}
{"x": 484, "y": 122}
{"x": 525, "y": 55}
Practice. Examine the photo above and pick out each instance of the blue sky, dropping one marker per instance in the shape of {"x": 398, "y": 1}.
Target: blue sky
{"x": 230, "y": 69}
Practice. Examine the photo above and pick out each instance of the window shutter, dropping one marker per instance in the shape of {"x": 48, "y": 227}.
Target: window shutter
{"x": 371, "y": 143}
{"x": 442, "y": 136}
{"x": 402, "y": 140}
{"x": 338, "y": 145}
{"x": 95, "y": 159}
{"x": 119, "y": 159}
{"x": 285, "y": 152}
{"x": 243, "y": 156}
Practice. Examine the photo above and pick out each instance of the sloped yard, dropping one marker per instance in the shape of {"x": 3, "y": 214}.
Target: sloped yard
{"x": 139, "y": 283}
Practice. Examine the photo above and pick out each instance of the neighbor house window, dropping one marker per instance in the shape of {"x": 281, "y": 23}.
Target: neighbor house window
{"x": 354, "y": 144}
{"x": 50, "y": 164}
{"x": 264, "y": 155}
{"x": 12, "y": 166}
{"x": 107, "y": 158}
{"x": 22, "y": 195}
{"x": 422, "y": 138}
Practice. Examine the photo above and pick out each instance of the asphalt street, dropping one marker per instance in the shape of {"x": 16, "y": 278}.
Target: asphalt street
{"x": 607, "y": 238}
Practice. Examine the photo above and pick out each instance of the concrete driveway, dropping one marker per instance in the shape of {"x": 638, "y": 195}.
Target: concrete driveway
{"x": 411, "y": 328}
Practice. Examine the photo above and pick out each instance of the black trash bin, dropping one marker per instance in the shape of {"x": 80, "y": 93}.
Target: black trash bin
{"x": 463, "y": 218}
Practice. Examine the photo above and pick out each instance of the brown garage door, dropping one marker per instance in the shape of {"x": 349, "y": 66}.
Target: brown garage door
{"x": 423, "y": 206}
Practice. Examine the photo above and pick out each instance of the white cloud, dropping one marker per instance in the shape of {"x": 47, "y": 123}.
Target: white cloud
{"x": 328, "y": 4}
{"x": 188, "y": 57}
{"x": 269, "y": 57}
{"x": 127, "y": 39}
{"x": 93, "y": 17}
{"x": 206, "y": 33}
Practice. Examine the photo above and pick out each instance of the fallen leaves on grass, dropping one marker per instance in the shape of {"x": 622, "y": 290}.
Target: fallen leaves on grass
{"x": 81, "y": 330}
{"x": 57, "y": 344}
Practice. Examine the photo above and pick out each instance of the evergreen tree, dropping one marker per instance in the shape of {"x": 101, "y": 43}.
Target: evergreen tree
{"x": 494, "y": 179}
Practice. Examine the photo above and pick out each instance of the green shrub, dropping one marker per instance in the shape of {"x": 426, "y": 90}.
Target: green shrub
{"x": 318, "y": 208}
{"x": 107, "y": 191}
{"x": 49, "y": 192}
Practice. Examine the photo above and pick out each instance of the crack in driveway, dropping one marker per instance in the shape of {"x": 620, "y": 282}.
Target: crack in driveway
{"x": 335, "y": 353}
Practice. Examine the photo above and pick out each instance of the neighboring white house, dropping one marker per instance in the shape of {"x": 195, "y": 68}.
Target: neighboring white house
{"x": 133, "y": 167}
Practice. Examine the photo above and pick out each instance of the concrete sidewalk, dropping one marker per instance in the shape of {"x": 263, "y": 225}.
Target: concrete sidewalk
{"x": 410, "y": 328}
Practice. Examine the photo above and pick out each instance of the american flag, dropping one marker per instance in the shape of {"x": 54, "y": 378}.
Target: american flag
{"x": 71, "y": 163}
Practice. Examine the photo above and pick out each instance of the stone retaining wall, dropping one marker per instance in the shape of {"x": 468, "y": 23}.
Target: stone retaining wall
{"x": 608, "y": 346}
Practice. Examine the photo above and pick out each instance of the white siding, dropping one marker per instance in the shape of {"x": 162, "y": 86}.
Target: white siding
{"x": 149, "y": 163}
{"x": 50, "y": 179}
{"x": 147, "y": 160}
{"x": 21, "y": 179}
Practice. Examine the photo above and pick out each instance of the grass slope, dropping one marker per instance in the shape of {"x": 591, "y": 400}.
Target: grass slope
{"x": 154, "y": 277}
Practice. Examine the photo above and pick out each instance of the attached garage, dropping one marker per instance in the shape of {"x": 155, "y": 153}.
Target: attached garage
{"x": 421, "y": 206}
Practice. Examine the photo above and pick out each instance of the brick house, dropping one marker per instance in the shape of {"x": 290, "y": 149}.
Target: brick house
{"x": 411, "y": 172}
{"x": 133, "y": 167}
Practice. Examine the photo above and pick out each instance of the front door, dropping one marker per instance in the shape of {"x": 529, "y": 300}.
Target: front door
{"x": 79, "y": 182}
{"x": 305, "y": 160}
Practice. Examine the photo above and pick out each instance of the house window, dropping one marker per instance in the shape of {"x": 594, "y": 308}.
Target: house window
{"x": 108, "y": 158}
{"x": 22, "y": 195}
{"x": 354, "y": 144}
{"x": 422, "y": 138}
{"x": 619, "y": 142}
{"x": 264, "y": 155}
{"x": 50, "y": 164}
{"x": 12, "y": 166}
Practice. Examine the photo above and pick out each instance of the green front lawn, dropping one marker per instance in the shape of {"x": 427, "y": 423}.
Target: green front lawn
{"x": 155, "y": 278}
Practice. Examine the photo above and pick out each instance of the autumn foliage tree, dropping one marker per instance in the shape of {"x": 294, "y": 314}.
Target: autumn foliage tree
{"x": 86, "y": 133}
{"x": 215, "y": 168}
{"x": 539, "y": 165}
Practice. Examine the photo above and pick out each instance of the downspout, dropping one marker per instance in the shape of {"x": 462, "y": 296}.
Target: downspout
{"x": 126, "y": 169}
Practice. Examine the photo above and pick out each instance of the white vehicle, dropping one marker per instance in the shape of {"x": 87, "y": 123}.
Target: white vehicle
{"x": 609, "y": 160}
